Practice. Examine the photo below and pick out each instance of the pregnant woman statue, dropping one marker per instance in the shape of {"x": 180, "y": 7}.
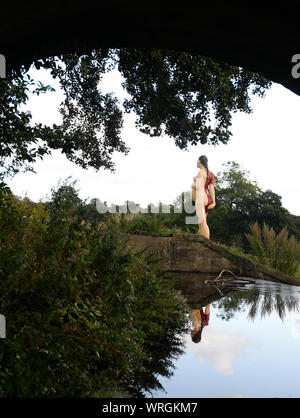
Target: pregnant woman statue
{"x": 203, "y": 194}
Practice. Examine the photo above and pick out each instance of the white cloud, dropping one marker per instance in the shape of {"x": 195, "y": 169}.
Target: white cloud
{"x": 220, "y": 348}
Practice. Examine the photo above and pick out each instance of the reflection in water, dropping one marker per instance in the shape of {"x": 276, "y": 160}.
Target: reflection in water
{"x": 200, "y": 320}
{"x": 221, "y": 348}
{"x": 260, "y": 300}
{"x": 296, "y": 326}
{"x": 238, "y": 351}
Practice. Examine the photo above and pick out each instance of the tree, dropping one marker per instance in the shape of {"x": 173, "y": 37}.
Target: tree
{"x": 241, "y": 202}
{"x": 269, "y": 210}
{"x": 17, "y": 136}
{"x": 235, "y": 190}
{"x": 188, "y": 97}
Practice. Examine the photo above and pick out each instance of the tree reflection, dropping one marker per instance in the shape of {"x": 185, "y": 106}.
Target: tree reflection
{"x": 257, "y": 303}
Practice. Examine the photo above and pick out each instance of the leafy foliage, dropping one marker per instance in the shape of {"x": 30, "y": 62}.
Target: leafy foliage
{"x": 188, "y": 97}
{"x": 279, "y": 251}
{"x": 92, "y": 121}
{"x": 85, "y": 314}
{"x": 17, "y": 135}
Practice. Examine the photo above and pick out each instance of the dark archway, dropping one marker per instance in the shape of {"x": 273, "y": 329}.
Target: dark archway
{"x": 261, "y": 39}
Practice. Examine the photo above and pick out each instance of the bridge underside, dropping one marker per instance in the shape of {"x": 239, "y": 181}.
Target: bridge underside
{"x": 262, "y": 39}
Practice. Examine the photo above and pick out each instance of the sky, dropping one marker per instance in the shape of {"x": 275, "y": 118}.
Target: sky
{"x": 265, "y": 142}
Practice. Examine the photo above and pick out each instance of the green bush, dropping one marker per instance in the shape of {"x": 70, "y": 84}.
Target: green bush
{"x": 85, "y": 314}
{"x": 146, "y": 224}
{"x": 280, "y": 251}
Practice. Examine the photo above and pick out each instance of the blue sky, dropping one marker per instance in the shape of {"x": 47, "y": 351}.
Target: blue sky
{"x": 265, "y": 142}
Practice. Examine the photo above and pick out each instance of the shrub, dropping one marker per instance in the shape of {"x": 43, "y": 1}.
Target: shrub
{"x": 146, "y": 224}
{"x": 84, "y": 313}
{"x": 279, "y": 251}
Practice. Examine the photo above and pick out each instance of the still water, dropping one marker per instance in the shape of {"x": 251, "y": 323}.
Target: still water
{"x": 250, "y": 347}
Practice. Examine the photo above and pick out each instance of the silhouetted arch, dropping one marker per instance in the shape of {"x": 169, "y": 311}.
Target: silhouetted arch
{"x": 262, "y": 39}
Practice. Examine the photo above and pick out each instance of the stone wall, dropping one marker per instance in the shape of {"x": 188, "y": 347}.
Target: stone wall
{"x": 193, "y": 253}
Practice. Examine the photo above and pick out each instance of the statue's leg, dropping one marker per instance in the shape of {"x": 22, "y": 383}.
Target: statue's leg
{"x": 201, "y": 200}
{"x": 204, "y": 229}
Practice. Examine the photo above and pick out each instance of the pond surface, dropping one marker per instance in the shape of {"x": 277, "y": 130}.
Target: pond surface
{"x": 250, "y": 347}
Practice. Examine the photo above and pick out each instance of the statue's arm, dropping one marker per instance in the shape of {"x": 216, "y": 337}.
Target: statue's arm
{"x": 213, "y": 196}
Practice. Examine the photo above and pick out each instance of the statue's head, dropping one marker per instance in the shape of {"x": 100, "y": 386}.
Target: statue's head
{"x": 203, "y": 161}
{"x": 196, "y": 335}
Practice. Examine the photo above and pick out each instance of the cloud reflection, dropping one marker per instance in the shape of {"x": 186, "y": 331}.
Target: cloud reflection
{"x": 296, "y": 326}
{"x": 220, "y": 348}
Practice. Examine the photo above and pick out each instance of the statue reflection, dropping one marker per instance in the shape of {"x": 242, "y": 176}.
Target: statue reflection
{"x": 199, "y": 320}
{"x": 259, "y": 299}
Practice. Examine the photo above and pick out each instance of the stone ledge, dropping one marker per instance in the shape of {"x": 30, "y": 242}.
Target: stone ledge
{"x": 196, "y": 259}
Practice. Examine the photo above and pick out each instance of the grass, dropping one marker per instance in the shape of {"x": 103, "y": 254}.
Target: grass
{"x": 238, "y": 252}
{"x": 253, "y": 258}
{"x": 297, "y": 274}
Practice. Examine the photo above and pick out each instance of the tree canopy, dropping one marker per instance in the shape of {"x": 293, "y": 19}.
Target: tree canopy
{"x": 187, "y": 97}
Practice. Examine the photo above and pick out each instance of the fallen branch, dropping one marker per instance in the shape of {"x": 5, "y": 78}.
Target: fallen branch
{"x": 220, "y": 280}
